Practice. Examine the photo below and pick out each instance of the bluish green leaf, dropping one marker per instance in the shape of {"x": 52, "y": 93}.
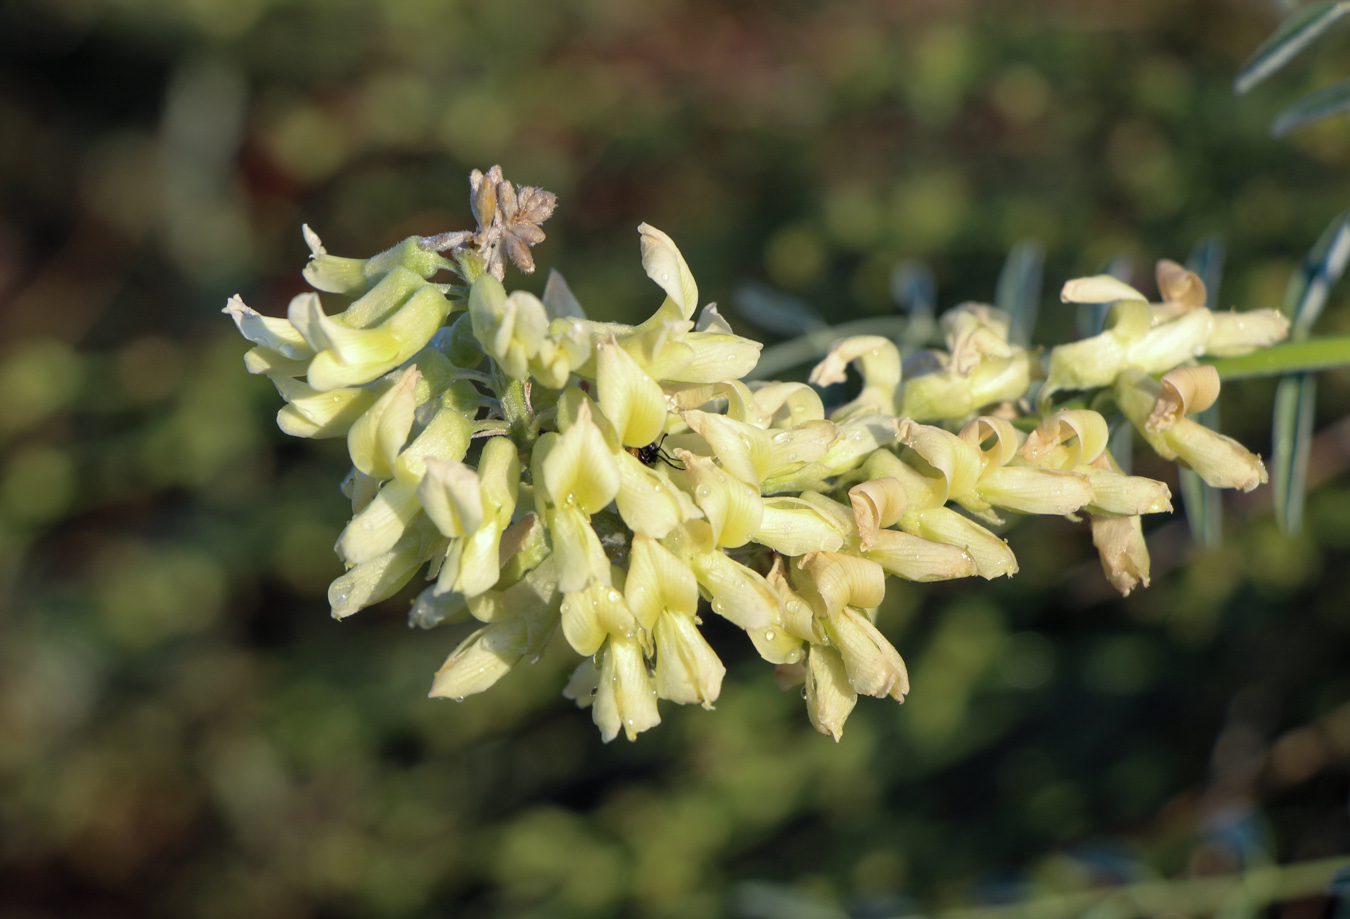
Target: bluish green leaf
{"x": 1122, "y": 444}
{"x": 1325, "y": 102}
{"x": 915, "y": 294}
{"x": 775, "y": 311}
{"x": 1203, "y": 503}
{"x": 1206, "y": 260}
{"x": 1320, "y": 269}
{"x": 1291, "y": 443}
{"x": 1294, "y": 34}
{"x": 1019, "y": 289}
{"x": 1091, "y": 317}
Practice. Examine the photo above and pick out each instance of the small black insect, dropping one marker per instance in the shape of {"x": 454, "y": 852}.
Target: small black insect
{"x": 649, "y": 454}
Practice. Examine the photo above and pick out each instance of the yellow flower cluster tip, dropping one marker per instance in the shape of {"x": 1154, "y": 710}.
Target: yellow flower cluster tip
{"x": 552, "y": 471}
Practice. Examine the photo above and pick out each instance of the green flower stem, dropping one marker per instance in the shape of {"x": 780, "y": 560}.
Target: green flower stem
{"x": 789, "y": 354}
{"x": 515, "y": 410}
{"x": 1307, "y": 356}
{"x": 1191, "y": 896}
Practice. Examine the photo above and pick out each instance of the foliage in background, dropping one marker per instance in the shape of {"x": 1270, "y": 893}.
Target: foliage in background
{"x": 185, "y": 730}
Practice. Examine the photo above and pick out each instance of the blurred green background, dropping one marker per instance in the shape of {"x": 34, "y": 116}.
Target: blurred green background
{"x": 185, "y": 732}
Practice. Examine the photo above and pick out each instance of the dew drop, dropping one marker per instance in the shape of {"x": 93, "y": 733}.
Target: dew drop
{"x": 459, "y": 698}
{"x": 770, "y": 635}
{"x": 803, "y": 692}
{"x": 614, "y": 596}
{"x": 595, "y": 690}
{"x": 537, "y": 658}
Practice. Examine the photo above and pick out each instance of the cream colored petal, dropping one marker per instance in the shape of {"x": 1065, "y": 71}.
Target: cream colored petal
{"x": 275, "y": 334}
{"x": 688, "y": 671}
{"x": 581, "y": 558}
{"x": 1234, "y": 334}
{"x": 1101, "y": 288}
{"x": 916, "y": 559}
{"x": 1172, "y": 343}
{"x": 877, "y": 503}
{"x": 380, "y": 433}
{"x": 975, "y": 332}
{"x": 380, "y": 524}
{"x": 376, "y": 578}
{"x": 992, "y": 556}
{"x": 1124, "y": 554}
{"x": 877, "y": 357}
{"x": 794, "y": 527}
{"x": 732, "y": 508}
{"x": 331, "y": 413}
{"x": 995, "y": 438}
{"x": 648, "y": 501}
{"x": 451, "y": 497}
{"x": 1034, "y": 490}
{"x": 873, "y": 665}
{"x": 1220, "y": 460}
{"x": 959, "y": 462}
{"x": 1085, "y": 364}
{"x": 829, "y": 696}
{"x": 480, "y": 660}
{"x": 844, "y": 580}
{"x": 777, "y": 645}
{"x": 1067, "y": 439}
{"x": 808, "y": 442}
{"x": 578, "y": 469}
{"x": 1185, "y": 390}
{"x": 592, "y": 614}
{"x": 1115, "y": 494}
{"x": 666, "y": 266}
{"x": 658, "y": 580}
{"x": 714, "y": 357}
{"x": 742, "y": 449}
{"x": 630, "y": 399}
{"x": 787, "y": 405}
{"x": 1179, "y": 286}
{"x": 446, "y": 436}
{"x": 625, "y": 699}
{"x": 739, "y": 594}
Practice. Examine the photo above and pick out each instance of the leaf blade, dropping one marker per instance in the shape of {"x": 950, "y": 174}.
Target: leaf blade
{"x": 1019, "y": 289}
{"x": 1323, "y": 103}
{"x": 1293, "y": 35}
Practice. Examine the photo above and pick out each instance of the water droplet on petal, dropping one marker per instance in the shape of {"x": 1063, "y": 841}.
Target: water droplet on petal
{"x": 803, "y": 692}
{"x": 770, "y": 635}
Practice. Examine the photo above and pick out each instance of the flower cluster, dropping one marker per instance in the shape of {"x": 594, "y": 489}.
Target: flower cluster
{"x": 553, "y": 471}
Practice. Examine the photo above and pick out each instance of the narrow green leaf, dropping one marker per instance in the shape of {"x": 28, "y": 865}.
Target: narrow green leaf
{"x": 1325, "y": 102}
{"x": 1320, "y": 269}
{"x": 775, "y": 311}
{"x": 778, "y": 358}
{"x": 1306, "y": 356}
{"x": 1203, "y": 503}
{"x": 1206, "y": 260}
{"x": 1019, "y": 289}
{"x": 1291, "y": 443}
{"x": 915, "y": 294}
{"x": 1122, "y": 444}
{"x": 1294, "y": 34}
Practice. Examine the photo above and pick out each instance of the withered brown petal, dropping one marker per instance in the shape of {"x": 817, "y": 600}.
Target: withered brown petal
{"x": 535, "y": 204}
{"x": 527, "y": 233}
{"x": 519, "y": 253}
{"x": 506, "y": 200}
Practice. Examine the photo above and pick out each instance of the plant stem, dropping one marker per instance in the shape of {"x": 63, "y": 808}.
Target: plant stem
{"x": 788, "y": 354}
{"x": 1307, "y": 356}
{"x": 515, "y": 404}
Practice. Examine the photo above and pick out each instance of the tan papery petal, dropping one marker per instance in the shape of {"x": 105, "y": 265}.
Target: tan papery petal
{"x": 1179, "y": 286}
{"x": 1185, "y": 390}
